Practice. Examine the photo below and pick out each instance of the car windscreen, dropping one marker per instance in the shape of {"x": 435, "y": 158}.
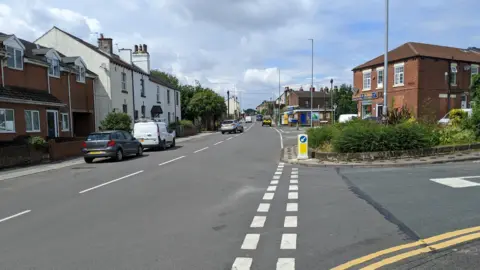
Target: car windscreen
{"x": 98, "y": 137}
{"x": 227, "y": 122}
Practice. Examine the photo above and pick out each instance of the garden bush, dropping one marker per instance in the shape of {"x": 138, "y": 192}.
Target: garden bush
{"x": 456, "y": 135}
{"x": 321, "y": 135}
{"x": 116, "y": 121}
{"x": 368, "y": 136}
{"x": 457, "y": 116}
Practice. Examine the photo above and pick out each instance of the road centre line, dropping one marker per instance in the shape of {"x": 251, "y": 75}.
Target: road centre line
{"x": 426, "y": 241}
{"x": 218, "y": 143}
{"x": 110, "y": 182}
{"x": 200, "y": 150}
{"x": 175, "y": 159}
{"x": 242, "y": 263}
{"x": 281, "y": 138}
{"x": 15, "y": 215}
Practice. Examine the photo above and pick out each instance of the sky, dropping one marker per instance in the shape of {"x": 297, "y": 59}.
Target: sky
{"x": 243, "y": 45}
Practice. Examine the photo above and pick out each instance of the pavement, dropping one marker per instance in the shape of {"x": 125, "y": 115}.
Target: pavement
{"x": 228, "y": 202}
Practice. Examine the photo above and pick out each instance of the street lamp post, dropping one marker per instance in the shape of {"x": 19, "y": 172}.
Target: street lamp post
{"x": 385, "y": 63}
{"x": 279, "y": 121}
{"x": 228, "y": 104}
{"x": 331, "y": 97}
{"x": 311, "y": 91}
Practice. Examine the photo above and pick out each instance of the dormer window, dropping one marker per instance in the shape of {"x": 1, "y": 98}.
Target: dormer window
{"x": 53, "y": 67}
{"x": 15, "y": 58}
{"x": 80, "y": 74}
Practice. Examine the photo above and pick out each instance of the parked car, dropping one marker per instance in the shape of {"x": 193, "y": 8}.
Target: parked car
{"x": 446, "y": 119}
{"x": 259, "y": 117}
{"x": 343, "y": 118}
{"x": 248, "y": 119}
{"x": 154, "y": 134}
{"x": 267, "y": 121}
{"x": 231, "y": 126}
{"x": 113, "y": 144}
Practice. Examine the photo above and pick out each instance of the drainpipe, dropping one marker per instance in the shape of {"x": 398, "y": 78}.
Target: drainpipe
{"x": 3, "y": 75}
{"x": 70, "y": 103}
{"x": 93, "y": 101}
{"x": 48, "y": 81}
{"x": 133, "y": 82}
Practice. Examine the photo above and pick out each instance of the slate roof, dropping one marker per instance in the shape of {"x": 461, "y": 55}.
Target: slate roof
{"x": 317, "y": 93}
{"x": 14, "y": 92}
{"x": 416, "y": 49}
{"x": 160, "y": 81}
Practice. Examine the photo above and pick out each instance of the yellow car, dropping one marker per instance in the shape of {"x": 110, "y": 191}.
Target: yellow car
{"x": 267, "y": 121}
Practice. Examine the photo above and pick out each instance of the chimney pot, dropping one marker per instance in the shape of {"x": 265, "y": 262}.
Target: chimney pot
{"x": 140, "y": 47}
{"x": 136, "y": 48}
{"x": 101, "y": 35}
{"x": 145, "y": 48}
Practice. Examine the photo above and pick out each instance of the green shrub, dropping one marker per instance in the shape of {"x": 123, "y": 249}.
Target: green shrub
{"x": 321, "y": 135}
{"x": 368, "y": 136}
{"x": 117, "y": 121}
{"x": 37, "y": 142}
{"x": 398, "y": 115}
{"x": 456, "y": 135}
{"x": 186, "y": 123}
{"x": 457, "y": 116}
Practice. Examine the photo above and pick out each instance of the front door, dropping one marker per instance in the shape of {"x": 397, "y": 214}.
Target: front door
{"x": 52, "y": 123}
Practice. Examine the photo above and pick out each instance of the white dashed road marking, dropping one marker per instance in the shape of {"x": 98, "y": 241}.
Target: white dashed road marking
{"x": 286, "y": 264}
{"x": 258, "y": 222}
{"x": 229, "y": 138}
{"x": 277, "y": 173}
{"x": 294, "y": 176}
{"x": 251, "y": 240}
{"x": 293, "y": 181}
{"x": 268, "y": 196}
{"x": 293, "y": 195}
{"x": 289, "y": 241}
{"x": 218, "y": 143}
{"x": 272, "y": 188}
{"x": 293, "y": 187}
{"x": 274, "y": 182}
{"x": 110, "y": 182}
{"x": 175, "y": 159}
{"x": 276, "y": 177}
{"x": 263, "y": 207}
{"x": 292, "y": 207}
{"x": 243, "y": 264}
{"x": 14, "y": 216}
{"x": 294, "y": 172}
{"x": 290, "y": 222}
{"x": 200, "y": 150}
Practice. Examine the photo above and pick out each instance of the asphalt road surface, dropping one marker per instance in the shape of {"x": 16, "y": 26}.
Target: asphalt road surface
{"x": 226, "y": 202}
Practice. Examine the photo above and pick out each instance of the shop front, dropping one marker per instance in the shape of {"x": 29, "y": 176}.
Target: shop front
{"x": 369, "y": 104}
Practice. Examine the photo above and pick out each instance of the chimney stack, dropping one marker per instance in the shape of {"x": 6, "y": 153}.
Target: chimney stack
{"x": 141, "y": 57}
{"x": 140, "y": 47}
{"x": 312, "y": 89}
{"x": 144, "y": 48}
{"x": 301, "y": 88}
{"x": 135, "y": 49}
{"x": 105, "y": 44}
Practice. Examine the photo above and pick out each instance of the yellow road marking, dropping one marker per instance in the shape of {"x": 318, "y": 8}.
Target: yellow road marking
{"x": 426, "y": 241}
{"x": 419, "y": 251}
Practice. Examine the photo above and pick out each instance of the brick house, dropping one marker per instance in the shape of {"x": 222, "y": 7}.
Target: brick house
{"x": 420, "y": 77}
{"x": 300, "y": 100}
{"x": 42, "y": 90}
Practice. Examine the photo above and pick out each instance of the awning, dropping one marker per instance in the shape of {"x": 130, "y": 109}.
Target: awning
{"x": 156, "y": 110}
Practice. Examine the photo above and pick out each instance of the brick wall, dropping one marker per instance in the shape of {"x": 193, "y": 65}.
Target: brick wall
{"x": 19, "y": 155}
{"x": 64, "y": 150}
{"x": 32, "y": 76}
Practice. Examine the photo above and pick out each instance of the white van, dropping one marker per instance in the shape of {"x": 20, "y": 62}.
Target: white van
{"x": 343, "y": 118}
{"x": 445, "y": 120}
{"x": 248, "y": 119}
{"x": 153, "y": 134}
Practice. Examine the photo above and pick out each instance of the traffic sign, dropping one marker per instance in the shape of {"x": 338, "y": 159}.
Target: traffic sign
{"x": 302, "y": 151}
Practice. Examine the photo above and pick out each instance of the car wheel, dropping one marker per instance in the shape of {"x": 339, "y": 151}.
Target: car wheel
{"x": 164, "y": 145}
{"x": 119, "y": 155}
{"x": 88, "y": 160}
{"x": 223, "y": 132}
{"x": 173, "y": 143}
{"x": 241, "y": 130}
{"x": 140, "y": 151}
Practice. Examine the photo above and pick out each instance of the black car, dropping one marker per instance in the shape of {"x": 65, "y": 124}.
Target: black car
{"x": 113, "y": 144}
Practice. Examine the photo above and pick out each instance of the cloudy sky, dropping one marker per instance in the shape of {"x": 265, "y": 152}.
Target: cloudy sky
{"x": 243, "y": 43}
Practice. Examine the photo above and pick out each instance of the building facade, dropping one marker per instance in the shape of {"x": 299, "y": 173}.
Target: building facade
{"x": 420, "y": 76}
{"x": 43, "y": 92}
{"x": 233, "y": 107}
{"x": 300, "y": 101}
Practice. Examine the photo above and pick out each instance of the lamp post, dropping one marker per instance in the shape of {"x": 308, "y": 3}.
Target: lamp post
{"x": 331, "y": 97}
{"x": 334, "y": 110}
{"x": 385, "y": 62}
{"x": 228, "y": 104}
{"x": 311, "y": 92}
{"x": 279, "y": 121}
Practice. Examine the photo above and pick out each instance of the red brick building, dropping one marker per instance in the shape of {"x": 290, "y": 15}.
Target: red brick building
{"x": 418, "y": 76}
{"x": 42, "y": 92}
{"x": 300, "y": 100}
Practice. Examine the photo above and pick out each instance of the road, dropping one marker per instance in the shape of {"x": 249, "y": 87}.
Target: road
{"x": 227, "y": 202}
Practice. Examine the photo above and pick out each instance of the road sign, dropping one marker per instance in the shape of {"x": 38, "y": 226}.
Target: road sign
{"x": 302, "y": 151}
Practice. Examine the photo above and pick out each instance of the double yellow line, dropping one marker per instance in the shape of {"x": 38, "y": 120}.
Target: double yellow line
{"x": 428, "y": 245}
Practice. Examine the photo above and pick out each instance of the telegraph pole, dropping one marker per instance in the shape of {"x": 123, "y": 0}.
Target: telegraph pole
{"x": 228, "y": 104}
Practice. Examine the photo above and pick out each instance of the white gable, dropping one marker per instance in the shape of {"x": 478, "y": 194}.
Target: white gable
{"x": 14, "y": 43}
{"x": 53, "y": 54}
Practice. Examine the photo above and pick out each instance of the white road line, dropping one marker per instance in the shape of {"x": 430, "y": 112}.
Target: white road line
{"x": 294, "y": 169}
{"x": 456, "y": 182}
{"x": 294, "y": 176}
{"x": 274, "y": 182}
{"x": 281, "y": 130}
{"x": 293, "y": 181}
{"x": 271, "y": 188}
{"x": 250, "y": 127}
{"x": 218, "y": 143}
{"x": 289, "y": 241}
{"x": 268, "y": 196}
{"x": 175, "y": 159}
{"x": 292, "y": 195}
{"x": 229, "y": 138}
{"x": 290, "y": 222}
{"x": 16, "y": 215}
{"x": 285, "y": 264}
{"x": 276, "y": 177}
{"x": 237, "y": 135}
{"x": 293, "y": 187}
{"x": 251, "y": 240}
{"x": 110, "y": 182}
{"x": 263, "y": 207}
{"x": 292, "y": 207}
{"x": 281, "y": 166}
{"x": 242, "y": 263}
{"x": 277, "y": 173}
{"x": 281, "y": 163}
{"x": 294, "y": 172}
{"x": 281, "y": 138}
{"x": 200, "y": 150}
{"x": 258, "y": 222}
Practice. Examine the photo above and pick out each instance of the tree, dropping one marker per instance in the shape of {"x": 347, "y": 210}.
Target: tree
{"x": 208, "y": 105}
{"x": 343, "y": 98}
{"x": 168, "y": 78}
{"x": 250, "y": 111}
{"x": 116, "y": 121}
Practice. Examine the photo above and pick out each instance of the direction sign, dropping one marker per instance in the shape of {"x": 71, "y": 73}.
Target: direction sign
{"x": 302, "y": 151}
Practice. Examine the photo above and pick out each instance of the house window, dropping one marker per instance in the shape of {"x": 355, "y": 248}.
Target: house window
{"x": 143, "y": 111}
{"x": 168, "y": 98}
{"x": 32, "y": 121}
{"x": 168, "y": 117}
{"x": 124, "y": 81}
{"x": 176, "y": 98}
{"x": 15, "y": 58}
{"x": 399, "y": 75}
{"x": 53, "y": 67}
{"x": 367, "y": 79}
{"x": 80, "y": 74}
{"x": 453, "y": 74}
{"x": 475, "y": 70}
{"x": 7, "y": 120}
{"x": 142, "y": 87}
{"x": 379, "y": 77}
{"x": 158, "y": 94}
{"x": 135, "y": 114}
{"x": 65, "y": 122}
{"x": 124, "y": 108}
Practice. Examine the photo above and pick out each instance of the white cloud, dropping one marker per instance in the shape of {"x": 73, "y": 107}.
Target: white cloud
{"x": 223, "y": 43}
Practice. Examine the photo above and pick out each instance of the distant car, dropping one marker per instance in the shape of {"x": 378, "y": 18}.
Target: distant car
{"x": 231, "y": 126}
{"x": 446, "y": 119}
{"x": 267, "y": 121}
{"x": 154, "y": 134}
{"x": 343, "y": 118}
{"x": 259, "y": 118}
{"x": 113, "y": 144}
{"x": 248, "y": 119}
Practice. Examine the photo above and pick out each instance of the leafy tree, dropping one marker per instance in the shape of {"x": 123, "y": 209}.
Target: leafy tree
{"x": 250, "y": 111}
{"x": 168, "y": 78}
{"x": 208, "y": 105}
{"x": 116, "y": 121}
{"x": 343, "y": 98}
{"x": 474, "y": 121}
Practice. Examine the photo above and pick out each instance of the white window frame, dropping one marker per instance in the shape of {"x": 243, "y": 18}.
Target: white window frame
{"x": 453, "y": 74}
{"x": 396, "y": 75}
{"x": 142, "y": 88}
{"x": 17, "y": 66}
{"x": 5, "y": 120}
{"x": 472, "y": 68}
{"x": 380, "y": 82}
{"x": 53, "y": 67}
{"x": 367, "y": 80}
{"x": 81, "y": 74}
{"x": 124, "y": 81}
{"x": 31, "y": 112}
{"x": 65, "y": 116}
{"x": 158, "y": 94}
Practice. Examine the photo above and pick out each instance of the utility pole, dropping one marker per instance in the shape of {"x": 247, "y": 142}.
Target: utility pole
{"x": 385, "y": 63}
{"x": 331, "y": 100}
{"x": 279, "y": 120}
{"x": 311, "y": 92}
{"x": 228, "y": 104}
